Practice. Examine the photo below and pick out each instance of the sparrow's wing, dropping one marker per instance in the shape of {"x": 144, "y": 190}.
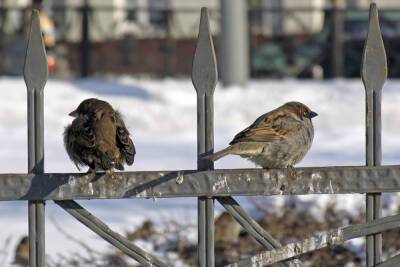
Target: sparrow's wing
{"x": 268, "y": 128}
{"x": 85, "y": 137}
{"x": 79, "y": 140}
{"x": 127, "y": 148}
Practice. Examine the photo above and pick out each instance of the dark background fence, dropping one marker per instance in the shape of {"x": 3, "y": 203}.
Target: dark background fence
{"x": 331, "y": 48}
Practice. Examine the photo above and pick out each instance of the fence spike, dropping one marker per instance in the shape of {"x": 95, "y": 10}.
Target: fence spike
{"x": 374, "y": 64}
{"x": 35, "y": 75}
{"x": 373, "y": 74}
{"x": 204, "y": 69}
{"x": 204, "y": 78}
{"x": 35, "y": 67}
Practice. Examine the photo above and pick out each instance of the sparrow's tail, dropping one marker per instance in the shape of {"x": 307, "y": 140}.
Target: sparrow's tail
{"x": 219, "y": 154}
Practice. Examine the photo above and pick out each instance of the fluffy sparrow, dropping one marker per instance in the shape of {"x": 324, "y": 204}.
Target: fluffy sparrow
{"x": 277, "y": 139}
{"x": 98, "y": 138}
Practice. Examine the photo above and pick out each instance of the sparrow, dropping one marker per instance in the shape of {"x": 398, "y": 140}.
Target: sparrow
{"x": 21, "y": 257}
{"x": 277, "y": 139}
{"x": 98, "y": 137}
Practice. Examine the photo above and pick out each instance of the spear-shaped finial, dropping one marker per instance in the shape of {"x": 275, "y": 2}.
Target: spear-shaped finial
{"x": 35, "y": 67}
{"x": 204, "y": 78}
{"x": 373, "y": 74}
{"x": 374, "y": 65}
{"x": 35, "y": 75}
{"x": 204, "y": 69}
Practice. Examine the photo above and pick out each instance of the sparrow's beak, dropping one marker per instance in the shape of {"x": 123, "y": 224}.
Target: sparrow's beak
{"x": 73, "y": 113}
{"x": 312, "y": 114}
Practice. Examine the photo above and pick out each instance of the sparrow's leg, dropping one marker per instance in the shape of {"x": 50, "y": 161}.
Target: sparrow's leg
{"x": 291, "y": 172}
{"x": 91, "y": 172}
{"x": 111, "y": 173}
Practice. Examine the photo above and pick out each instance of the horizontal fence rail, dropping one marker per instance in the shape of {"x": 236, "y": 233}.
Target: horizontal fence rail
{"x": 191, "y": 183}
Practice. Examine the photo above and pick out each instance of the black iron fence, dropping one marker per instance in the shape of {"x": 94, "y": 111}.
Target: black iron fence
{"x": 158, "y": 41}
{"x": 205, "y": 183}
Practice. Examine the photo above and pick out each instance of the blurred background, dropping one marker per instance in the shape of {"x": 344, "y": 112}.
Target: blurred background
{"x": 137, "y": 55}
{"x": 305, "y": 39}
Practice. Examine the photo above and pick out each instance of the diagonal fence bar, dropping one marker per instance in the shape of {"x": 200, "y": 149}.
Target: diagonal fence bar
{"x": 321, "y": 240}
{"x": 392, "y": 262}
{"x": 35, "y": 75}
{"x": 204, "y": 78}
{"x": 252, "y": 227}
{"x": 110, "y": 236}
{"x": 374, "y": 74}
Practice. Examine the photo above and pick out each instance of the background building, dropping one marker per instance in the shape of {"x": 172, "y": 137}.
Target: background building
{"x": 288, "y": 38}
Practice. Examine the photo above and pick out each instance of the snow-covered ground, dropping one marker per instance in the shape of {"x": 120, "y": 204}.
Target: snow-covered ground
{"x": 161, "y": 115}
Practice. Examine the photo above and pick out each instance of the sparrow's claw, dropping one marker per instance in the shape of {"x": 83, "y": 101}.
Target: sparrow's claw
{"x": 111, "y": 173}
{"x": 291, "y": 172}
{"x": 91, "y": 172}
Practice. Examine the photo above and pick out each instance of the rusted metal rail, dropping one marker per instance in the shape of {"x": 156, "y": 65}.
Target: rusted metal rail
{"x": 206, "y": 183}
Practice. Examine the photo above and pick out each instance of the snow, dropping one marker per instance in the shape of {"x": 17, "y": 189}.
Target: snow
{"x": 161, "y": 115}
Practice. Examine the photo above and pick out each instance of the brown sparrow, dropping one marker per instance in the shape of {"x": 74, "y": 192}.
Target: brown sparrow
{"x": 277, "y": 139}
{"x": 22, "y": 252}
{"x": 98, "y": 138}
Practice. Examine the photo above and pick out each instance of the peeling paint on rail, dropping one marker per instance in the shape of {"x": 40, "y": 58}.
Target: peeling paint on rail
{"x": 192, "y": 183}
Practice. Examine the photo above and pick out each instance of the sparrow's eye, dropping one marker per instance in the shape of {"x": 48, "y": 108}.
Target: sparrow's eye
{"x": 305, "y": 113}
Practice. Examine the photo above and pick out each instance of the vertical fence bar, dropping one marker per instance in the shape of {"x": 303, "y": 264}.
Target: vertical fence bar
{"x": 337, "y": 54}
{"x": 374, "y": 74}
{"x": 35, "y": 75}
{"x": 31, "y": 169}
{"x": 85, "y": 40}
{"x": 204, "y": 78}
{"x": 39, "y": 169}
{"x": 3, "y": 18}
{"x": 32, "y": 233}
{"x": 169, "y": 49}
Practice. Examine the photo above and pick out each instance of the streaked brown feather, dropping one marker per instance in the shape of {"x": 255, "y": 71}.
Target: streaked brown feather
{"x": 98, "y": 138}
{"x": 128, "y": 150}
{"x": 270, "y": 126}
{"x": 277, "y": 139}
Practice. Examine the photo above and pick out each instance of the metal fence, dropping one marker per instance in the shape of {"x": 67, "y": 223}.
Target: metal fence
{"x": 205, "y": 183}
